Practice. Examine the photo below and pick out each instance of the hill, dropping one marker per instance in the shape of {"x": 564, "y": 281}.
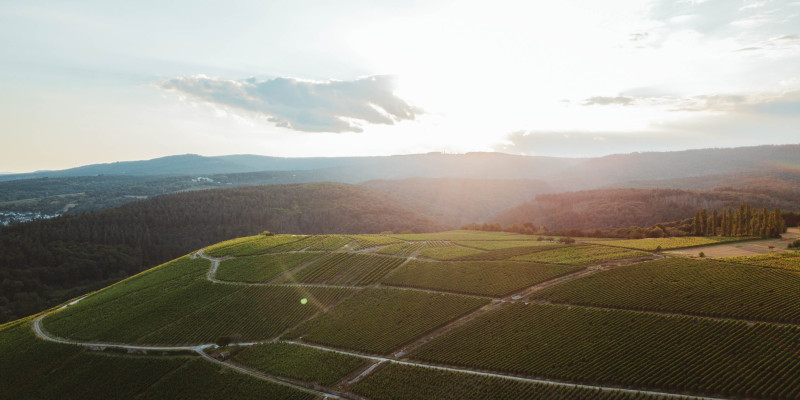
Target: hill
{"x": 571, "y": 172}
{"x": 455, "y": 202}
{"x": 44, "y": 262}
{"x": 449, "y": 315}
{"x": 620, "y": 208}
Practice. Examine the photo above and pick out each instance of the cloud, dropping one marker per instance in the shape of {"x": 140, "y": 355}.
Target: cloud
{"x": 332, "y": 106}
{"x": 605, "y": 101}
{"x": 758, "y": 103}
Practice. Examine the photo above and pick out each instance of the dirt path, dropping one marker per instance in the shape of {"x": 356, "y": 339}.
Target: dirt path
{"x": 316, "y": 390}
{"x": 42, "y": 334}
{"x": 502, "y": 376}
{"x": 741, "y": 249}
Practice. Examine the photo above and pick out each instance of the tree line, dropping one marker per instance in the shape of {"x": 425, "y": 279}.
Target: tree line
{"x": 742, "y": 221}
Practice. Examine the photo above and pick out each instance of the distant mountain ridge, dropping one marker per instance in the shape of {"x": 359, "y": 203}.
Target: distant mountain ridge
{"x": 570, "y": 173}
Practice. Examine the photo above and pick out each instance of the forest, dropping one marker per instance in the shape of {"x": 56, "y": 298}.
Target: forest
{"x": 46, "y": 262}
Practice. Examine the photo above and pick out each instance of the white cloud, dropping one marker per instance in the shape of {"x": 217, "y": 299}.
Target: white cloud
{"x": 332, "y": 106}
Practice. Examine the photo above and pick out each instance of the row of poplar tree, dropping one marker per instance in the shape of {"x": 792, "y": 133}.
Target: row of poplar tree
{"x": 744, "y": 221}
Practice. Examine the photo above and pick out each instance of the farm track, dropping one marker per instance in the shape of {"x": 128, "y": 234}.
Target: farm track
{"x": 398, "y": 356}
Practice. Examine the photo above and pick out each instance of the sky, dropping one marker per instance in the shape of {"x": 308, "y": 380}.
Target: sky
{"x": 93, "y": 81}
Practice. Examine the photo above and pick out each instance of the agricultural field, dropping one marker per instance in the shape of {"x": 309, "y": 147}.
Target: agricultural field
{"x": 345, "y": 269}
{"x": 260, "y": 268}
{"x": 701, "y": 287}
{"x": 254, "y": 313}
{"x": 651, "y": 244}
{"x": 462, "y": 235}
{"x": 789, "y": 260}
{"x": 408, "y": 248}
{"x": 583, "y": 254}
{"x": 34, "y": 369}
{"x": 626, "y": 348}
{"x": 368, "y": 241}
{"x": 507, "y": 253}
{"x": 380, "y": 320}
{"x": 328, "y": 243}
{"x": 252, "y": 245}
{"x": 502, "y": 244}
{"x": 449, "y": 253}
{"x": 674, "y": 325}
{"x": 470, "y": 277}
{"x": 404, "y": 382}
{"x": 176, "y": 305}
{"x": 298, "y": 362}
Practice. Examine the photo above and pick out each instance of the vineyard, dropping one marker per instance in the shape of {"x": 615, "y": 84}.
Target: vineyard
{"x": 449, "y": 253}
{"x": 462, "y": 235}
{"x": 507, "y": 253}
{"x": 298, "y": 362}
{"x": 260, "y": 268}
{"x": 407, "y": 249}
{"x": 346, "y": 269}
{"x": 328, "y": 243}
{"x": 253, "y": 313}
{"x": 481, "y": 278}
{"x": 175, "y": 305}
{"x": 651, "y": 244}
{"x": 403, "y": 382}
{"x": 252, "y": 245}
{"x": 582, "y": 254}
{"x": 790, "y": 261}
{"x": 379, "y": 320}
{"x": 33, "y": 369}
{"x": 702, "y": 287}
{"x": 626, "y": 348}
{"x": 502, "y": 244}
{"x": 313, "y": 310}
{"x": 368, "y": 241}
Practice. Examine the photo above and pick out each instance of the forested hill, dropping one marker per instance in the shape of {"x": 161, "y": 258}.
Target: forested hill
{"x": 45, "y": 262}
{"x": 619, "y": 208}
{"x": 457, "y": 202}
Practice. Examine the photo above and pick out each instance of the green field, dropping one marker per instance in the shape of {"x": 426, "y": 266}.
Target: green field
{"x": 328, "y": 243}
{"x": 252, "y": 245}
{"x": 502, "y": 244}
{"x": 494, "y": 278}
{"x": 367, "y": 241}
{"x": 298, "y": 362}
{"x": 584, "y": 254}
{"x": 790, "y": 260}
{"x": 380, "y": 320}
{"x": 702, "y": 287}
{"x": 507, "y": 253}
{"x": 403, "y": 382}
{"x": 449, "y": 253}
{"x": 260, "y": 268}
{"x": 636, "y": 323}
{"x": 651, "y": 244}
{"x": 174, "y": 304}
{"x": 408, "y": 248}
{"x": 626, "y": 348}
{"x": 462, "y": 235}
{"x": 34, "y": 369}
{"x": 345, "y": 269}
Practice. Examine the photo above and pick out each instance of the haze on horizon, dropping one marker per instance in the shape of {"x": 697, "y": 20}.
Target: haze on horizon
{"x": 97, "y": 81}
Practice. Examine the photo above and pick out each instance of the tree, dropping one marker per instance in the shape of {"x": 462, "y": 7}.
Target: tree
{"x": 714, "y": 219}
{"x": 223, "y": 341}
